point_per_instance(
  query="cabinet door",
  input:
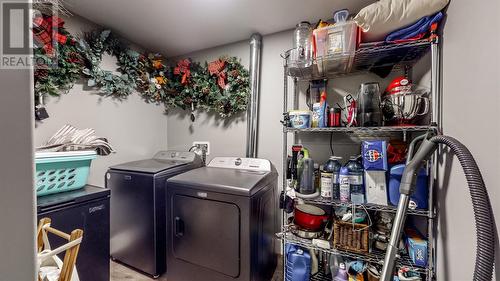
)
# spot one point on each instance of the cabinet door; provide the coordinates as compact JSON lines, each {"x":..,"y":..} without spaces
{"x":207,"y":233}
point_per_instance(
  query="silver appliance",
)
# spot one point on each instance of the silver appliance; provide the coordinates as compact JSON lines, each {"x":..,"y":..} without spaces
{"x":221,"y":221}
{"x":138,"y":231}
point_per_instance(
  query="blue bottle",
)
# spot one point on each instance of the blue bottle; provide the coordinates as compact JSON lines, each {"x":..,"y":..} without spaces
{"x":356,"y":184}
{"x":344,"y":185}
{"x":298,"y":267}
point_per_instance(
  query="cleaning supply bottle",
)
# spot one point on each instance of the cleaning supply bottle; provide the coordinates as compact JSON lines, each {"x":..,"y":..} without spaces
{"x":330,"y":178}
{"x":298,"y":266}
{"x":355,"y":171}
{"x":344,"y":186}
{"x":323,"y":112}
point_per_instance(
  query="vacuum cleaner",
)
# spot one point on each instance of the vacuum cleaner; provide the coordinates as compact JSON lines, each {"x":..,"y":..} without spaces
{"x":483,"y":214}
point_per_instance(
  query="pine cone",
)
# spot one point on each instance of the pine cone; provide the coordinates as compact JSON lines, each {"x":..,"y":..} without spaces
{"x":205,"y":91}
{"x":234,"y":73}
{"x":41,"y":73}
{"x":74,"y":57}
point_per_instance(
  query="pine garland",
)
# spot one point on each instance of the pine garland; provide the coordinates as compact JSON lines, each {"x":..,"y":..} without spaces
{"x":57,"y":67}
{"x":221,"y":86}
{"x":93,"y":46}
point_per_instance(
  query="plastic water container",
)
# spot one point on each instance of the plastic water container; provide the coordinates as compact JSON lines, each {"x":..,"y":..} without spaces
{"x":421,"y":195}
{"x":356,"y":172}
{"x":62,"y":171}
{"x":298,"y":263}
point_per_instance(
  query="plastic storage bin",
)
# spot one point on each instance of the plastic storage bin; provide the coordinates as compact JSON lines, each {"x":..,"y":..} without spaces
{"x":62,"y":171}
{"x":420,"y":199}
{"x":335,"y":47}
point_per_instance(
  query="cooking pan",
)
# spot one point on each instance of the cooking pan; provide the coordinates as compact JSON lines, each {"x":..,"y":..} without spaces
{"x":309,"y":217}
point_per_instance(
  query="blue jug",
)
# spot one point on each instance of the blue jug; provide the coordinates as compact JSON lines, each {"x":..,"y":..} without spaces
{"x":298,"y":263}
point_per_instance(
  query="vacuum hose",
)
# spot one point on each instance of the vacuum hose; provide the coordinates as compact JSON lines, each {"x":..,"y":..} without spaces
{"x":483,"y":214}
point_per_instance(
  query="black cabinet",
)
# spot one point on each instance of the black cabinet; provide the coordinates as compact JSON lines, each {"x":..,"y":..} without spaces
{"x":87,"y":209}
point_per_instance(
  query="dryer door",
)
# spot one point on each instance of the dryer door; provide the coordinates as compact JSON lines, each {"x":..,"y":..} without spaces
{"x":207,"y":233}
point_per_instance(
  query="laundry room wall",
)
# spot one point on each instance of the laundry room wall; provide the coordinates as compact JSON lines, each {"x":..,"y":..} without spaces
{"x":471,"y":103}
{"x":228,"y":137}
{"x":135,"y":129}
{"x":17,"y":234}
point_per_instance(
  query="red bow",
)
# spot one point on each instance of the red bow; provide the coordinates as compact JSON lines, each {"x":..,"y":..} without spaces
{"x":183,"y":68}
{"x":45,"y":31}
{"x":216,"y":68}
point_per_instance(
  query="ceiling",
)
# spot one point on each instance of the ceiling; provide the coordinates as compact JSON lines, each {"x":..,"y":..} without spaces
{"x":179,"y":27}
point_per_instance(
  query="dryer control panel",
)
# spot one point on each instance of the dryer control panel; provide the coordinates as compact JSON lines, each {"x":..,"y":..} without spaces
{"x":175,"y":155}
{"x":252,"y":164}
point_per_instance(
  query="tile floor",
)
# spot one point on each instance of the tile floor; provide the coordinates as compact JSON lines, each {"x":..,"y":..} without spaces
{"x":123,"y":273}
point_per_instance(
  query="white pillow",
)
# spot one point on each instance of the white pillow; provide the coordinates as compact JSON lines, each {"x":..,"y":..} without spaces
{"x":382,"y":17}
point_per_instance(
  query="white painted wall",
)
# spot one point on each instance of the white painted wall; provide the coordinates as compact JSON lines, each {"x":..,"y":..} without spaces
{"x":135,"y":129}
{"x":470,"y":82}
{"x":470,"y":113}
{"x":17,"y":234}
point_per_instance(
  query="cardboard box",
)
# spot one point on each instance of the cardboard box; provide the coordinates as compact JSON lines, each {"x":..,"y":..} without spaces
{"x":374,"y":155}
{"x":376,"y":187}
{"x":416,"y":246}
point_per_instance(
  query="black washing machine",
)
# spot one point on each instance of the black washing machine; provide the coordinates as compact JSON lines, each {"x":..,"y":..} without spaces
{"x":222,"y":221}
{"x":138,"y":208}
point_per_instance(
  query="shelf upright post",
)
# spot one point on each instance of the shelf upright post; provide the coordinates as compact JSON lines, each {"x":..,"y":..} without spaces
{"x":284,"y":164}
{"x":433,"y":176}
{"x":435,"y":81}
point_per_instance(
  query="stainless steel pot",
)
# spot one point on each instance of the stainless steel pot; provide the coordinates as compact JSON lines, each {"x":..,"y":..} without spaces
{"x":402,"y":108}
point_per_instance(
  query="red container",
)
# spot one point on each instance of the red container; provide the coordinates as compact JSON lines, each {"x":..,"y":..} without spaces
{"x":309,"y":217}
{"x":334,"y":117}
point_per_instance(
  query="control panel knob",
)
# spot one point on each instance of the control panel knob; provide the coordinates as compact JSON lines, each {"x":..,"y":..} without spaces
{"x":237,"y":162}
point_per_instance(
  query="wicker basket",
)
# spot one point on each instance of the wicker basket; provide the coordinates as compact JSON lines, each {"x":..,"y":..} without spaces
{"x":347,"y":238}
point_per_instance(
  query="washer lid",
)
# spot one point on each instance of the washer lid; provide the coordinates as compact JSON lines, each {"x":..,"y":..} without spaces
{"x":162,"y":160}
{"x":226,"y":180}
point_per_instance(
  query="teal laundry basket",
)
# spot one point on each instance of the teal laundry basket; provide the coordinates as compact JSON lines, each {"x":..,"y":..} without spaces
{"x":62,"y":171}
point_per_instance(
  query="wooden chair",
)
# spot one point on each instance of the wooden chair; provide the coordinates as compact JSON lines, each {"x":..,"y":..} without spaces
{"x":71,"y":253}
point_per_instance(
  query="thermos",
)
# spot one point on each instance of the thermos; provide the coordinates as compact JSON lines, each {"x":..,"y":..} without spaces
{"x":334,"y":117}
{"x":306,"y":185}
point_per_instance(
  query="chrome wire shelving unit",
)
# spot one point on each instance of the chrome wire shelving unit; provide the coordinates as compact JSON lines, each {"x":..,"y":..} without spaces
{"x":375,"y":256}
{"x":367,"y":206}
{"x":360,"y":130}
{"x":368,"y":58}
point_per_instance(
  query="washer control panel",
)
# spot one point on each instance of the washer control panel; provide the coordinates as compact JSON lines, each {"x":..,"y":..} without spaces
{"x":174,"y":155}
{"x":252,"y":164}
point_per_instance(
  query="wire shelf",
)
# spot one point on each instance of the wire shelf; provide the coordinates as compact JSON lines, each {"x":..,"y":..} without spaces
{"x":376,"y":256}
{"x":322,"y":276}
{"x":365,"y":130}
{"x":374,"y":58}
{"x":371,"y":207}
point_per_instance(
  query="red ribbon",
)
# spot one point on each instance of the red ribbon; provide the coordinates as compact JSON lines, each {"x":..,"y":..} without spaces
{"x":217,"y":68}
{"x":183,"y":69}
{"x":45,"y":31}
